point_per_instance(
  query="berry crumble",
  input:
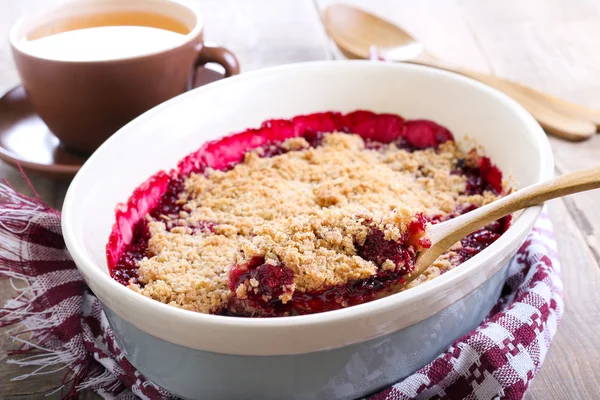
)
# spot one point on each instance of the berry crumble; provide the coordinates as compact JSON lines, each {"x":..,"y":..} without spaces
{"x":307,"y":215}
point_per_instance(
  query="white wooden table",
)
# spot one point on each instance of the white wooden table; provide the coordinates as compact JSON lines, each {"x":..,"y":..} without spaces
{"x":551,"y":45}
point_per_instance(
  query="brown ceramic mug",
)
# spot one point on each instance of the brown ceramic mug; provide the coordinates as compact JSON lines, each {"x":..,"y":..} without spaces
{"x":83,"y":102}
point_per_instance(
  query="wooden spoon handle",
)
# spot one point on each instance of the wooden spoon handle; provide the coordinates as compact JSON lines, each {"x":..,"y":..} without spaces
{"x":444,"y":235}
{"x":575,"y":110}
{"x":558,"y":117}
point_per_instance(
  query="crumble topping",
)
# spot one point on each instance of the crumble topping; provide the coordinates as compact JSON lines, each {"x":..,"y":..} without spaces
{"x":309,"y":209}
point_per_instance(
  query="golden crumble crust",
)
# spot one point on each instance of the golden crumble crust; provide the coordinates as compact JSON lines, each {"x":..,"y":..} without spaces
{"x":307,"y":209}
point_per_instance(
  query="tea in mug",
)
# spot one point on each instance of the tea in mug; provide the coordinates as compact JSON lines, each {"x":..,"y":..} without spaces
{"x":105,"y":37}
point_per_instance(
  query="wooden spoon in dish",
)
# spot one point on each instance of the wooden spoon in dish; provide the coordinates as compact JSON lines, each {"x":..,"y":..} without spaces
{"x":360,"y":34}
{"x":445,"y":234}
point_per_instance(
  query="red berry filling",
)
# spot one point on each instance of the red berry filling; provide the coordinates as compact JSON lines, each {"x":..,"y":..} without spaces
{"x":482,"y":238}
{"x":402,"y":253}
{"x":169,"y":202}
{"x":481,"y":174}
{"x":384,"y":128}
{"x":263,"y":284}
{"x":126,"y":268}
{"x":421,"y":134}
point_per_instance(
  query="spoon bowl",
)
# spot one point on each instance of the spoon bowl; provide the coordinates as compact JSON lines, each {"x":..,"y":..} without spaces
{"x":345,"y":23}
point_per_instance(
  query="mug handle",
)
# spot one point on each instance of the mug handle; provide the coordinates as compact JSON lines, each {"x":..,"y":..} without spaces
{"x":209,"y":53}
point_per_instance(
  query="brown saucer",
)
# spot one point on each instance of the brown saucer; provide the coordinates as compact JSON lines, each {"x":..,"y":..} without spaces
{"x":26,"y":141}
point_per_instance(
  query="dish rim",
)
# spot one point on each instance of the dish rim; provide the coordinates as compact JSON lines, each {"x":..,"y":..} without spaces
{"x":385,"y":305}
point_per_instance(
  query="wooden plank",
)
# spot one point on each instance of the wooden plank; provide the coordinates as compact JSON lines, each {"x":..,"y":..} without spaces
{"x":584,"y":206}
{"x":265,"y":33}
{"x":531,"y":12}
{"x":569,"y":371}
{"x":548,"y":45}
{"x":551,"y":50}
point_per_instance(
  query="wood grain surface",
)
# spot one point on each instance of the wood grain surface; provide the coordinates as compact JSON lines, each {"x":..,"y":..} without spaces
{"x":550,"y":45}
{"x":355,"y":32}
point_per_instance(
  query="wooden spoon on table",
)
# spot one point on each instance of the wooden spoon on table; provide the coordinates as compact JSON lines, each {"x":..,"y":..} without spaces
{"x":445,"y":234}
{"x":358,"y":33}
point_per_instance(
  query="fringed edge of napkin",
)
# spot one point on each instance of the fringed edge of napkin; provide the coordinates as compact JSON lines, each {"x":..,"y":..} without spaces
{"x":49,"y":339}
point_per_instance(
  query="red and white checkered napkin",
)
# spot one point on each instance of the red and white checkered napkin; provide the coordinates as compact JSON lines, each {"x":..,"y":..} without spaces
{"x":497,"y":360}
